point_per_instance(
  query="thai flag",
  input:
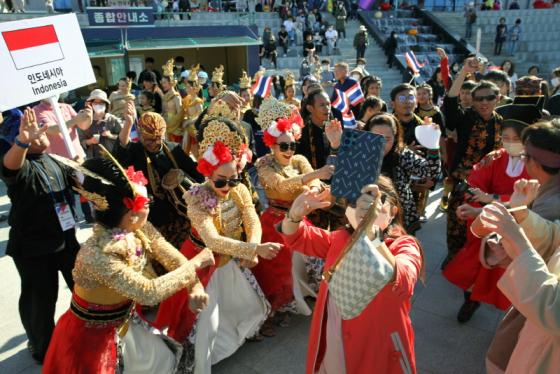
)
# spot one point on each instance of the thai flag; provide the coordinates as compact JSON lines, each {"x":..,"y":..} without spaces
{"x":341,"y":102}
{"x":413,"y":64}
{"x":354,"y":94}
{"x":33,"y":46}
{"x":134,"y":133}
{"x":348,"y":120}
{"x":262,"y":86}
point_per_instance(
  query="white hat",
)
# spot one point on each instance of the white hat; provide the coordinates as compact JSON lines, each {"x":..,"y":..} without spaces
{"x":185,"y":74}
{"x":363,"y":28}
{"x":98,"y":94}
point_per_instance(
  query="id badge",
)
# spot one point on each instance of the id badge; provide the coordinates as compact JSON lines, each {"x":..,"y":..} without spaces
{"x":65,"y":216}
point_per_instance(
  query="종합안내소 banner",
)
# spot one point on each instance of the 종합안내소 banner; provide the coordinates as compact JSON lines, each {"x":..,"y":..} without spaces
{"x":41,"y":58}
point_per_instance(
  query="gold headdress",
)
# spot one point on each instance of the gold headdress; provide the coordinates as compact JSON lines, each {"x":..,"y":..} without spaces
{"x":99,"y":202}
{"x":219,"y":108}
{"x":289,"y":78}
{"x":193,"y":73}
{"x":218,"y":74}
{"x":270,"y":110}
{"x":168,"y":69}
{"x":217,"y":130}
{"x":244,"y":81}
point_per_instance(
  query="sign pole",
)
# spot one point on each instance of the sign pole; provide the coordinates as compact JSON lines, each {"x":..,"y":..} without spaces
{"x":478,"y":39}
{"x":62,"y":126}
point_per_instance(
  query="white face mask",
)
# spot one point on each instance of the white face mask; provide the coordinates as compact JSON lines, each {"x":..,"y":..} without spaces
{"x":513,"y":149}
{"x":99,"y":108}
{"x":382,"y":221}
{"x":555,"y":82}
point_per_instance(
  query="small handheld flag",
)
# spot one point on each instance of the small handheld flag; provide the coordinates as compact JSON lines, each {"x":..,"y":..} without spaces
{"x":262,"y":86}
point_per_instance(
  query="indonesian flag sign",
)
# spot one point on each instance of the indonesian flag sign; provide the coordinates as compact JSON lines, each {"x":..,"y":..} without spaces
{"x":41,"y":58}
{"x":33,"y":46}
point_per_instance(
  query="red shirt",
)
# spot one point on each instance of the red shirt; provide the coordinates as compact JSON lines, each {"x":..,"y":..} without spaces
{"x":381,"y":339}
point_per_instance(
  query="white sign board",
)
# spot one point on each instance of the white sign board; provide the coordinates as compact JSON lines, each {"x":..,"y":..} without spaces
{"x":40,"y":58}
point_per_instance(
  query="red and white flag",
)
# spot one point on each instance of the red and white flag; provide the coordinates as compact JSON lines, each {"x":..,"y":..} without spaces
{"x":33,"y":46}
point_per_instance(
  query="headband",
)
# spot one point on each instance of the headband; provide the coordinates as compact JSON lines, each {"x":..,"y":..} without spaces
{"x":542,"y":156}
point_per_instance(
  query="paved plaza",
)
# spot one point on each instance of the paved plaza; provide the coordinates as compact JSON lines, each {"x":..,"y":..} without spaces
{"x":443,"y":345}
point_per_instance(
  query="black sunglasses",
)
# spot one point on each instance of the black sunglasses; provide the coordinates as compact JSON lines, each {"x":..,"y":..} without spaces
{"x":221,"y":183}
{"x":487,"y":98}
{"x":284,"y":146}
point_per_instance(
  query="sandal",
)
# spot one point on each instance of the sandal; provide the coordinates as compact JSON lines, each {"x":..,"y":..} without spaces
{"x":268,"y":330}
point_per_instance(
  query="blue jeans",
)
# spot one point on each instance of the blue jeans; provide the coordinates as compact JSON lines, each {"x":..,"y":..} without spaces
{"x":468,"y":32}
{"x":512,"y":47}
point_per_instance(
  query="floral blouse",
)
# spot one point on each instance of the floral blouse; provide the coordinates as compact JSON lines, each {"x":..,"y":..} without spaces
{"x":119,"y":262}
{"x":223,"y":223}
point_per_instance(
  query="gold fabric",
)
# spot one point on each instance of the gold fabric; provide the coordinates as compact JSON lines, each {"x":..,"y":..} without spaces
{"x":118,"y":102}
{"x":283,"y":182}
{"x":173,"y":112}
{"x":119,"y":264}
{"x":152,"y":124}
{"x":221,"y":228}
{"x":293,"y":101}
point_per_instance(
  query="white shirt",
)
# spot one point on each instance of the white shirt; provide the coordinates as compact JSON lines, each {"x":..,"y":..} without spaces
{"x":289,"y":25}
{"x":331,"y":34}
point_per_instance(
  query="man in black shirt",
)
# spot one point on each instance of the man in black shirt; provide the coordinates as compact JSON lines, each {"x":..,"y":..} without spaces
{"x":162,"y":162}
{"x":283,"y":39}
{"x":403,"y":100}
{"x":149,"y":67}
{"x":42,"y":239}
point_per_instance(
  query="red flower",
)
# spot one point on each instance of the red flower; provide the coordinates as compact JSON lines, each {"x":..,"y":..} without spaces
{"x":222,"y":153}
{"x":205,"y":168}
{"x":284,"y":125}
{"x":136,"y":177}
{"x":268,"y":139}
{"x":136,"y":204}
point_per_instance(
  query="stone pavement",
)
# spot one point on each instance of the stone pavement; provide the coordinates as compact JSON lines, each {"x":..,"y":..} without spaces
{"x":443,"y":346}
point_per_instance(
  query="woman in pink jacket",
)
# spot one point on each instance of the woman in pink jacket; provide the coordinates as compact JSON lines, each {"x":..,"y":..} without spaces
{"x":381,"y":338}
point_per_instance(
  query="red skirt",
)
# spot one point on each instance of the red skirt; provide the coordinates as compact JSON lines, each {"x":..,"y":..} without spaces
{"x":275,"y":276}
{"x":174,"y":312}
{"x":466,"y":272}
{"x":85,"y":340}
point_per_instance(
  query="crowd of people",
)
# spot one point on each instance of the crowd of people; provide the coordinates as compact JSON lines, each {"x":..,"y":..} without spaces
{"x":214,"y":221}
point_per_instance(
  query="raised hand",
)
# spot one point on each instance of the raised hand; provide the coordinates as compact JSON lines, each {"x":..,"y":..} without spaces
{"x":29,"y":129}
{"x":471,"y":65}
{"x":333,"y":131}
{"x":524,"y":192}
{"x":496,"y":218}
{"x":129,"y":113}
{"x":306,"y":203}
{"x":325,"y":173}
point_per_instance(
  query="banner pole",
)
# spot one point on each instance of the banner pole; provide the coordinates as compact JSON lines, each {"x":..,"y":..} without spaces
{"x":53,"y":100}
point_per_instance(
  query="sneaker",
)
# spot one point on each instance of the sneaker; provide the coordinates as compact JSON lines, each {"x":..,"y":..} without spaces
{"x":467,"y":311}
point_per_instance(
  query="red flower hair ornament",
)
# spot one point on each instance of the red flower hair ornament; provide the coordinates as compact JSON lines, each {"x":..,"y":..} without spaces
{"x":292,"y":125}
{"x":214,"y":156}
{"x":138,"y":182}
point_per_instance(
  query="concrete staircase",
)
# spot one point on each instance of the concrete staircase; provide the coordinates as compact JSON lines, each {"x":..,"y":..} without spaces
{"x":539,"y":44}
{"x":375,"y":58}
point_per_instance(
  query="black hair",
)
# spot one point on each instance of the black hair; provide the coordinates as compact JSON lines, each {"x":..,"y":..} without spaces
{"x":310,"y":100}
{"x":544,"y":135}
{"x":150,"y":59}
{"x":114,"y":193}
{"x":149,"y":95}
{"x":533,"y":67}
{"x":391,"y":161}
{"x":131,"y":74}
{"x":497,"y":76}
{"x":179,"y":59}
{"x":150,"y":76}
{"x":516,"y":126}
{"x":511,"y":70}
{"x":370,"y":102}
{"x":518,"y":21}
{"x":400,"y":88}
{"x":96,"y":67}
{"x":483,"y":85}
{"x":468,"y":85}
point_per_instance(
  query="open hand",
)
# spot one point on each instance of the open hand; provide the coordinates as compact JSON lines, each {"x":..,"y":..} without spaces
{"x":333,"y":131}
{"x":325,"y":173}
{"x":471,"y":65}
{"x":308,"y":202}
{"x":29,"y":129}
{"x":129,"y":113}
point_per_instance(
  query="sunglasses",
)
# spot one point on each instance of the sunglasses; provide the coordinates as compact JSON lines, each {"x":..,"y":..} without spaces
{"x":284,"y":146}
{"x":484,"y":98}
{"x":221,"y":183}
{"x":404,"y":98}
